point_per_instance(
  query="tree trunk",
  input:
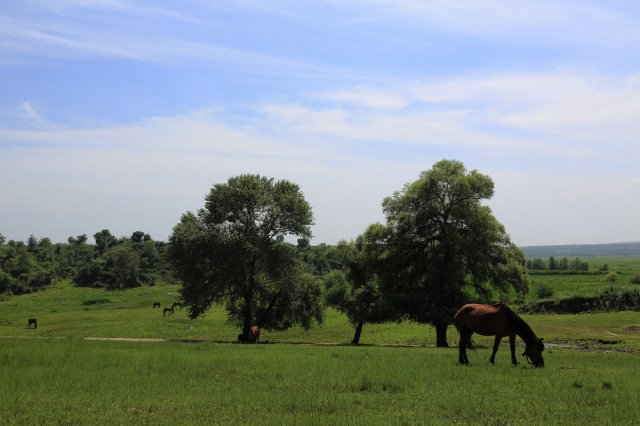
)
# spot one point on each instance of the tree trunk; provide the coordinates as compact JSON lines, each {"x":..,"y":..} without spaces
{"x":441,"y":333}
{"x":356,"y":337}
{"x":247,"y":316}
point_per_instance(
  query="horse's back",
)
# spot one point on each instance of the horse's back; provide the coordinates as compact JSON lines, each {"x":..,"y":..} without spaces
{"x":487,"y":320}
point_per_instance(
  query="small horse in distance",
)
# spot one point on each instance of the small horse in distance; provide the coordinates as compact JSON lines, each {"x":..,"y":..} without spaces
{"x":253,"y":337}
{"x":167,"y":309}
{"x":255,"y":334}
{"x":500,"y":321}
{"x":176,"y":305}
{"x":156,"y":304}
{"x":32,"y":322}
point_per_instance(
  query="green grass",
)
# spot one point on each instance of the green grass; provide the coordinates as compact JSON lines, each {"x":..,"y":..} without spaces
{"x":565,"y":286}
{"x":62,"y":312}
{"x":61,"y":381}
{"x":50,"y":375}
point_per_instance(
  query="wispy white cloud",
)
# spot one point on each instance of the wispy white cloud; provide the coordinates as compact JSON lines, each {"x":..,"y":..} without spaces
{"x":366,"y":97}
{"x":32,"y":116}
{"x":76,"y":29}
{"x":562,"y":115}
{"x":561,"y":22}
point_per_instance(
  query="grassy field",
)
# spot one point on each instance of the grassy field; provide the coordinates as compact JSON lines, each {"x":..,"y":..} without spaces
{"x":588,"y":285}
{"x":69,"y":381}
{"x":62,"y":311}
{"x":52,"y":375}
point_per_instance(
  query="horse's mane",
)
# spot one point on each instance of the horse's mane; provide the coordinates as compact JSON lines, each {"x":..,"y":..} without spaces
{"x":522,"y":328}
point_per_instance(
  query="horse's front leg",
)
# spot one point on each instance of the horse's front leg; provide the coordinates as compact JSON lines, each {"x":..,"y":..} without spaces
{"x":512,"y":345}
{"x":496,"y":344}
{"x":462,"y":348}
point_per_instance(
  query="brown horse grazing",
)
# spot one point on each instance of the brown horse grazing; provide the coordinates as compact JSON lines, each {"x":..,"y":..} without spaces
{"x":170,"y":310}
{"x":32,"y":321}
{"x":176,"y":305}
{"x":500,"y":321}
{"x":156,"y":304}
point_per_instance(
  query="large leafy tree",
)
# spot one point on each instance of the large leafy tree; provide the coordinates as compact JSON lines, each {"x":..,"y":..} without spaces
{"x":233,"y":252}
{"x":448,"y":245}
{"x":358,"y":289}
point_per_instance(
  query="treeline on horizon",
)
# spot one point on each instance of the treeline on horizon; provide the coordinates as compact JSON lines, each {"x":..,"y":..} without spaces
{"x":125,"y":262}
{"x":562,"y":264}
{"x":110,"y":262}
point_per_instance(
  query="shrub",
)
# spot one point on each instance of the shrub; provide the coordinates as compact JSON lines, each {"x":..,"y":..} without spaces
{"x":615,"y":299}
{"x":544,"y":291}
{"x":612,"y":277}
{"x":635,"y":279}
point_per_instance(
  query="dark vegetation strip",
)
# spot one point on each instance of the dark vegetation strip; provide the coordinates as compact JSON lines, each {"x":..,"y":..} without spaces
{"x":612,"y":299}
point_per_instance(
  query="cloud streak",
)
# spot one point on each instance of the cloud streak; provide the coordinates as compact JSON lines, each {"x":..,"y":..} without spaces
{"x":542,"y":22}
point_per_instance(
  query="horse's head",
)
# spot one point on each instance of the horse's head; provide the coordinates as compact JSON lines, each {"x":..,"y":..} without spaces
{"x":533,"y":352}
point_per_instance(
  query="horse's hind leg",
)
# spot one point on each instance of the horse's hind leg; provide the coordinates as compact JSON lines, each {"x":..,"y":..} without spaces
{"x":496,"y":344}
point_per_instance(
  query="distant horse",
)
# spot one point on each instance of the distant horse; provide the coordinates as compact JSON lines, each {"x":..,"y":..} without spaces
{"x":170,"y":310}
{"x":176,"y":305}
{"x":156,"y":304}
{"x":32,"y":321}
{"x":253,"y":337}
{"x":500,"y":321}
{"x":255,"y":334}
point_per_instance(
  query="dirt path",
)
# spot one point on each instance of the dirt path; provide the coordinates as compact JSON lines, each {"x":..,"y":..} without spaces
{"x":565,"y":346}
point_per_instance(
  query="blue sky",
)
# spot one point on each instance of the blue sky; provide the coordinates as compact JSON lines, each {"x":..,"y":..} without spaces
{"x":122,"y":114}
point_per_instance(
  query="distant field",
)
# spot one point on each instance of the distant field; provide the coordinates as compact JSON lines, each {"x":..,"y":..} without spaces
{"x":79,"y":382}
{"x":587,"y":284}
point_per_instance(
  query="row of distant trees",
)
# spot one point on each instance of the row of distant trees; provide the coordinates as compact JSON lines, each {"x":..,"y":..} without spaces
{"x":113,"y":263}
{"x":561,"y":264}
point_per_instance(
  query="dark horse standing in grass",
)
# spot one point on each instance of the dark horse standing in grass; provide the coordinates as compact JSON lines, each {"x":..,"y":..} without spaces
{"x":500,"y":321}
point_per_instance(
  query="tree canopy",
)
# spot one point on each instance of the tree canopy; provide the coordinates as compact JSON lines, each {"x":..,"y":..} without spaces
{"x":232,"y":252}
{"x":358,"y":290}
{"x":447,"y":243}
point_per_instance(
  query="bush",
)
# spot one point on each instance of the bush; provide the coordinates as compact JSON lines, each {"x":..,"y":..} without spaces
{"x":544,"y":291}
{"x":635,"y":279}
{"x":615,"y":299}
{"x":11,"y":285}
